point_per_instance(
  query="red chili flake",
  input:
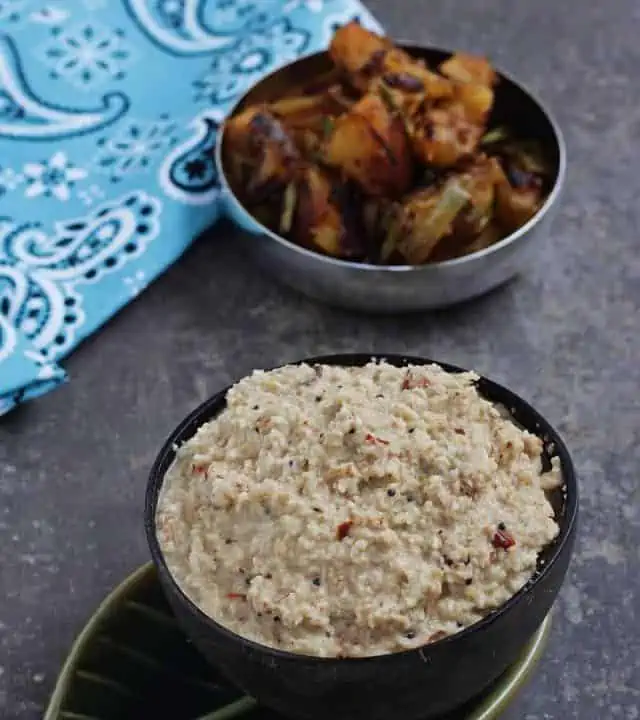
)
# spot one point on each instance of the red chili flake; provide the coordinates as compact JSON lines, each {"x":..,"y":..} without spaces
{"x":459,"y":431}
{"x":503,"y":539}
{"x":343,"y":529}
{"x":373,"y":440}
{"x":408,"y":383}
{"x":236,"y":596}
{"x":509,"y":444}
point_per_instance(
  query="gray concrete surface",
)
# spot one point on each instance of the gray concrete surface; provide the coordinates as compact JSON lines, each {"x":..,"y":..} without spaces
{"x":565,"y":335}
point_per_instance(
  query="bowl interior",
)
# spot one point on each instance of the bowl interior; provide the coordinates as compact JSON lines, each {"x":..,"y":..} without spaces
{"x":564,"y":500}
{"x":514,"y":107}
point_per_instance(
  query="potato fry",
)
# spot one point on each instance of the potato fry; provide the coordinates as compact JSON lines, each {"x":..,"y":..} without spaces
{"x":476,"y":99}
{"x":369,"y":145}
{"x":258,"y":137}
{"x":317,"y":221}
{"x":444,"y":135}
{"x":401,"y":71}
{"x":358,"y":52}
{"x":467,"y":68}
{"x":518,"y":198}
{"x":381,"y":158}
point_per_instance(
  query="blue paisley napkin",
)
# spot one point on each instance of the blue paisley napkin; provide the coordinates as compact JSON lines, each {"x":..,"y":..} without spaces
{"x":108,"y":117}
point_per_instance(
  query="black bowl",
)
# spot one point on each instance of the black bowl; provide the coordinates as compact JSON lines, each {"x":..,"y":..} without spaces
{"x":421,"y":683}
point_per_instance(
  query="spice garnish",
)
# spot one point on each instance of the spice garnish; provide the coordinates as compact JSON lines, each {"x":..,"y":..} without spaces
{"x":503,"y":539}
{"x":343,"y":529}
{"x":236,"y":596}
{"x":373,"y":440}
{"x":409,"y":383}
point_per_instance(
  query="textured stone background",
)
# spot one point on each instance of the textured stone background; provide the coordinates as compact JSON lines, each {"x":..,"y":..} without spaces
{"x":565,"y":335}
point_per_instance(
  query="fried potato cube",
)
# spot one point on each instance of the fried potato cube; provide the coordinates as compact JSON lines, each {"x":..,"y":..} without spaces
{"x":258,"y":139}
{"x":317,"y":221}
{"x":403,"y":72}
{"x":365,"y":57}
{"x":443,"y":134}
{"x":477,"y":101}
{"x":359,"y":52}
{"x":518,"y":198}
{"x":467,"y":68}
{"x":369,"y":145}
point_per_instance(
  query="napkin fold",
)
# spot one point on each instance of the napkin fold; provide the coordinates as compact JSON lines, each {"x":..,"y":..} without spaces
{"x":108,"y":117}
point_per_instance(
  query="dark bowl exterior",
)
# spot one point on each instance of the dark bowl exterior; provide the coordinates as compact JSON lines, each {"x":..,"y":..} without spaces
{"x":402,"y":288}
{"x":422,"y":683}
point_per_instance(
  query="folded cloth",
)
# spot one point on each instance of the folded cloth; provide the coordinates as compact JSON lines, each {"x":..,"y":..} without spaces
{"x":108,"y":118}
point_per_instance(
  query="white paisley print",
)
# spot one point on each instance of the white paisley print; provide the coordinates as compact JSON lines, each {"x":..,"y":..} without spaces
{"x":109,"y":113}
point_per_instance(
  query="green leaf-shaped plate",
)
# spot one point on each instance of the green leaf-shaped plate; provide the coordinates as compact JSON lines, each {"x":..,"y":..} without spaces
{"x":132,"y":661}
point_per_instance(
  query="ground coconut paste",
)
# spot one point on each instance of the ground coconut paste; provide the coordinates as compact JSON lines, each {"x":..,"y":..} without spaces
{"x":337,"y":511}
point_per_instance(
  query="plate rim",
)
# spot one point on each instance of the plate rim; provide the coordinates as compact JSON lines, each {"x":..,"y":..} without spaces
{"x":65,"y":676}
{"x":490,"y":708}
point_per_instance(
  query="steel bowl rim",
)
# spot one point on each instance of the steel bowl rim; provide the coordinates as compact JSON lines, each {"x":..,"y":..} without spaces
{"x":229,"y":195}
{"x":567,"y":526}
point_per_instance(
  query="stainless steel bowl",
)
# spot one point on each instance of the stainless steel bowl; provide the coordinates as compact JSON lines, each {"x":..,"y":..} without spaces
{"x":388,"y":289}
